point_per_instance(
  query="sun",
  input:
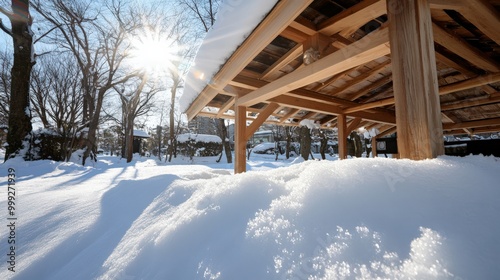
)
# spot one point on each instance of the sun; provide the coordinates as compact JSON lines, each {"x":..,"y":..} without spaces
{"x":154,"y":53}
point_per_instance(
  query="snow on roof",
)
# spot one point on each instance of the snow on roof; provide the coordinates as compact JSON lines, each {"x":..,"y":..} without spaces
{"x":205,"y":138}
{"x":141,"y":133}
{"x":235,"y":21}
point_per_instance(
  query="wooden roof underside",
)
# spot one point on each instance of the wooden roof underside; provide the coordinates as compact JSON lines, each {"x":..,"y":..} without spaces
{"x":353,"y":74}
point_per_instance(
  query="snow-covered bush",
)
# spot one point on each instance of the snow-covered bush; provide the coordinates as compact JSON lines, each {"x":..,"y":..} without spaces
{"x":202,"y":145}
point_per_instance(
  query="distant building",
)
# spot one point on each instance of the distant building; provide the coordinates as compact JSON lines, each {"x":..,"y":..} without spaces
{"x":139,"y":135}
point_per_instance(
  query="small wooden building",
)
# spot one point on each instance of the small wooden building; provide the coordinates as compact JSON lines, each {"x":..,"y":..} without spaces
{"x":139,"y":135}
{"x":421,"y":68}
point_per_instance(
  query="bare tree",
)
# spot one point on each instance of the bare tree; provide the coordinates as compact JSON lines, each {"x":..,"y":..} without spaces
{"x":57,"y":99}
{"x":204,"y":12}
{"x":22,"y":38}
{"x":135,"y":101}
{"x":96,"y":35}
{"x":5,"y":68}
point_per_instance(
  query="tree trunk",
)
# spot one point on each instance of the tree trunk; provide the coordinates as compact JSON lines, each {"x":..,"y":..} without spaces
{"x":288,"y":133}
{"x":324,"y":145}
{"x":19,"y":114}
{"x":305,"y":142}
{"x":129,"y":136}
{"x":91,"y":145}
{"x":226,"y":146}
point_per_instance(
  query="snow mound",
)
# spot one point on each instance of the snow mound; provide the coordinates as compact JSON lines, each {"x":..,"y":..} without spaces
{"x":352,"y":219}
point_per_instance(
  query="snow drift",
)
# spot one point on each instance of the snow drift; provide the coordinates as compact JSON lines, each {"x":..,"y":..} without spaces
{"x":352,"y":219}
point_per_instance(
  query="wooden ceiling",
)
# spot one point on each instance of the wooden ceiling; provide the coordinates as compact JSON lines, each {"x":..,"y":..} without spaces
{"x":352,"y":73}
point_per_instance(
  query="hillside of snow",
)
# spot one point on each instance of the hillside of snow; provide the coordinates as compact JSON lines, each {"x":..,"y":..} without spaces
{"x":352,"y":219}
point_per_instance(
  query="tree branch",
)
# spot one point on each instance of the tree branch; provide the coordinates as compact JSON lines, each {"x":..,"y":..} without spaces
{"x":4,"y":28}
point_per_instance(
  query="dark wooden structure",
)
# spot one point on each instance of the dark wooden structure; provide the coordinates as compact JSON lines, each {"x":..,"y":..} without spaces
{"x":421,"y":68}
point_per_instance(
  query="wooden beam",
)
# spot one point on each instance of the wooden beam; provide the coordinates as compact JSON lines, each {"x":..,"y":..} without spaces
{"x":489,"y":99}
{"x":370,"y":47}
{"x":363,"y":77}
{"x":472,"y":124}
{"x":288,"y":115}
{"x":454,"y":87}
{"x":446,"y":4}
{"x":309,"y":116}
{"x":329,"y":109}
{"x":453,"y":64}
{"x":453,"y":120}
{"x":353,"y":124}
{"x":283,"y":61}
{"x":484,"y":16}
{"x":379,"y":83}
{"x":374,"y":104}
{"x":240,"y":141}
{"x":253,"y":84}
{"x":470,"y":83}
{"x":305,"y":104}
{"x":226,"y":106}
{"x":342,"y":135}
{"x":462,"y":49}
{"x":261,"y":118}
{"x":275,"y":22}
{"x":351,"y":19}
{"x":293,"y":34}
{"x":418,"y":115}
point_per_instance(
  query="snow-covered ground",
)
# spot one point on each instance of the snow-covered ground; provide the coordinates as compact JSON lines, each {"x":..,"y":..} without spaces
{"x":353,"y":219}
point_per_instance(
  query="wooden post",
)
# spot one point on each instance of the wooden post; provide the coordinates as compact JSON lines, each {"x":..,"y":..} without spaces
{"x":374,"y":146}
{"x":418,"y":113}
{"x":342,"y":134}
{"x":240,"y":141}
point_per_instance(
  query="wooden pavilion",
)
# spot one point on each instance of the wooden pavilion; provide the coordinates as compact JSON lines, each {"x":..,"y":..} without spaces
{"x":421,"y":68}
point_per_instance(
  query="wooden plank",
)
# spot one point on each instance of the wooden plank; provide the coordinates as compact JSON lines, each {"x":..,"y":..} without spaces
{"x":240,"y":141}
{"x":342,"y":135}
{"x":283,"y":61}
{"x":275,"y":22}
{"x":472,"y":124}
{"x":370,"y":47}
{"x":261,"y":118}
{"x":418,"y":115}
{"x":484,"y":16}
{"x":351,"y":19}
{"x":462,"y":49}
{"x":379,"y":83}
{"x":462,"y":69}
{"x":363,"y":77}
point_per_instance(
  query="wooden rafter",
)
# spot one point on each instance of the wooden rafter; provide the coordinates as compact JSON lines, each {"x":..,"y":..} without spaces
{"x":226,"y":106}
{"x":288,"y":115}
{"x":463,"y":49}
{"x":472,"y":124}
{"x":489,"y":99}
{"x":458,"y":86}
{"x":261,"y":118}
{"x":370,"y":47}
{"x":483,"y":16}
{"x":284,"y":60}
{"x":350,"y":20}
{"x":283,"y":13}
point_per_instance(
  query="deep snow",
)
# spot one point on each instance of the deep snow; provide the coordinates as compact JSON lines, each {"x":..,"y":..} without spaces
{"x":353,"y":219}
